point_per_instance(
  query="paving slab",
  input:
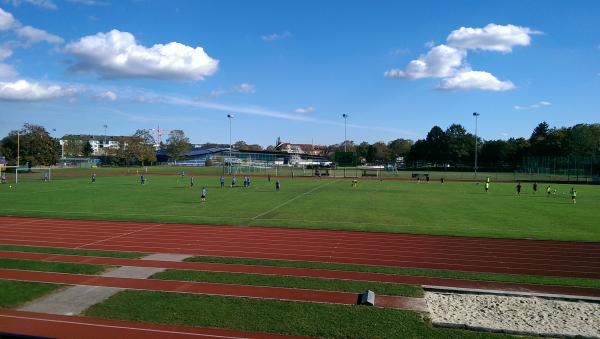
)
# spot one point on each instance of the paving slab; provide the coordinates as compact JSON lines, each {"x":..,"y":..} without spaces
{"x":76,"y":299}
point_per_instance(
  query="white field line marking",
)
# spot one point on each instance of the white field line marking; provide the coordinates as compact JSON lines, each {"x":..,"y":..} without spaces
{"x":120,"y":327}
{"x":118,"y":236}
{"x":292,"y":199}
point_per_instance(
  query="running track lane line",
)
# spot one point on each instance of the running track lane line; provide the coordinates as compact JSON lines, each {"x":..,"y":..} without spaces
{"x":75,"y":327}
{"x":313,"y":273}
{"x":231,"y":290}
{"x":591,"y":249}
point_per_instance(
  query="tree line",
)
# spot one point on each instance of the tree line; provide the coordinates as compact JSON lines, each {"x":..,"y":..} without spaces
{"x":453,"y":146}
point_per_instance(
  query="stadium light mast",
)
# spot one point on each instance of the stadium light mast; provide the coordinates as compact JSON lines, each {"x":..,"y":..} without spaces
{"x":230,"y":117}
{"x":475,"y":114}
{"x":345,"y":116}
{"x":105,"y":127}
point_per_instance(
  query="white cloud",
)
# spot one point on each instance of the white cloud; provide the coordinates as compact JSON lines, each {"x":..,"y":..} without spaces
{"x":107,"y":96}
{"x":7,"y":20}
{"x":23,"y":90}
{"x":48,"y":4}
{"x":245,"y":88}
{"x":5,"y":52}
{"x":117,"y":54}
{"x":37,"y":35}
{"x":492,"y":37}
{"x":532,"y":106}
{"x":467,"y":80}
{"x":441,"y":61}
{"x":7,"y":71}
{"x":276,"y":36}
{"x":88,"y":2}
{"x":241,"y":88}
{"x":308,"y":109}
{"x":430,"y":44}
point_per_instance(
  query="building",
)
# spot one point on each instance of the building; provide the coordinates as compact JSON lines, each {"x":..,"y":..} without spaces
{"x":243,"y":158}
{"x":309,"y":149}
{"x":99,"y":143}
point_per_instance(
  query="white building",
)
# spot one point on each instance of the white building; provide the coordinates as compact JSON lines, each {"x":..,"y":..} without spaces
{"x":98,"y":142}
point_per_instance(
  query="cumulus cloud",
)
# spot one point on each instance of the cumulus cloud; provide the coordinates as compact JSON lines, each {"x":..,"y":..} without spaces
{"x":106,"y":96}
{"x":37,"y":35}
{"x":492,"y":37}
{"x":7,"y":71}
{"x":532,"y":106}
{"x":23,"y":90}
{"x":308,"y":109}
{"x":276,"y":36}
{"x":441,"y":61}
{"x":7,"y":20}
{"x":117,"y":54}
{"x":448,"y":61}
{"x":475,"y":80}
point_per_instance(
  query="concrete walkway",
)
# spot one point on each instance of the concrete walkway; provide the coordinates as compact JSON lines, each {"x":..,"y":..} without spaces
{"x":76,"y":299}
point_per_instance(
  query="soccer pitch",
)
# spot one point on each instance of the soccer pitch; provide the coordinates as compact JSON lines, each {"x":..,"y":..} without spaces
{"x":451,"y":208}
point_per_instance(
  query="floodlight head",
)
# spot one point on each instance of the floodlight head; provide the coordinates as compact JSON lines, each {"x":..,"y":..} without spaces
{"x":230,"y":116}
{"x":344,"y":115}
{"x":475,"y":114}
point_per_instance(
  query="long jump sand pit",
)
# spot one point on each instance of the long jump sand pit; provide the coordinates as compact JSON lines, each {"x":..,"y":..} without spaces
{"x":515,"y":314}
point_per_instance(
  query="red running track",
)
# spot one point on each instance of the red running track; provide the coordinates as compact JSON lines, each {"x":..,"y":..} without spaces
{"x":312,"y":273}
{"x":232,"y":290}
{"x":74,"y":327}
{"x":548,"y":258}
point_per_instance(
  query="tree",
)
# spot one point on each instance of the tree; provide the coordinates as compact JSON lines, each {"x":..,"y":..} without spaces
{"x":460,"y":144}
{"x":399,"y":147}
{"x":37,"y":147}
{"x":87,"y":149}
{"x":72,"y":146}
{"x":177,"y":144}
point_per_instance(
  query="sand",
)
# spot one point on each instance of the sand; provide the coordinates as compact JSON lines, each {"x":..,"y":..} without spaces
{"x":515,"y":314}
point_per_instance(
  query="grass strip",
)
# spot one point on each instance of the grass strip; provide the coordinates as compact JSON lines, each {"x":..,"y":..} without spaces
{"x":14,"y":293}
{"x":290,"y":282}
{"x":529,"y":279}
{"x":61,"y":267}
{"x":70,"y":251}
{"x":273,"y":316}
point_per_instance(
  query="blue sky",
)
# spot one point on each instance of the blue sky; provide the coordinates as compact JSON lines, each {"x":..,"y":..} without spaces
{"x":291,"y":68}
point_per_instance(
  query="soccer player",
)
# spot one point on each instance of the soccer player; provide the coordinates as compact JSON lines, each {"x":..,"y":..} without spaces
{"x":487,"y":187}
{"x":203,"y":195}
{"x":45,"y":177}
{"x":269,"y":177}
{"x":3,"y":178}
{"x":442,"y":180}
{"x":93,"y":178}
{"x":222,"y":181}
{"x":548,"y":190}
{"x":573,"y":194}
{"x":233,"y":181}
{"x":427,"y":179}
{"x":191,"y":181}
{"x":535,"y":187}
{"x":248,"y":181}
{"x":277,"y":185}
{"x":519,"y":188}
{"x":142,"y":179}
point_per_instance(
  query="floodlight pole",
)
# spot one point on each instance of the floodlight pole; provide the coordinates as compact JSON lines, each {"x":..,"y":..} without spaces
{"x":475,"y":114}
{"x":230,"y":116}
{"x":18,"y":157}
{"x":345,"y":116}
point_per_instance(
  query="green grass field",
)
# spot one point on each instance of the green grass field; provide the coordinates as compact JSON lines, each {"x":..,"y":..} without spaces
{"x":284,"y":317}
{"x":388,"y":206}
{"x":291,"y":282}
{"x":422,"y":272}
{"x":15,"y":293}
{"x":45,"y":266}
